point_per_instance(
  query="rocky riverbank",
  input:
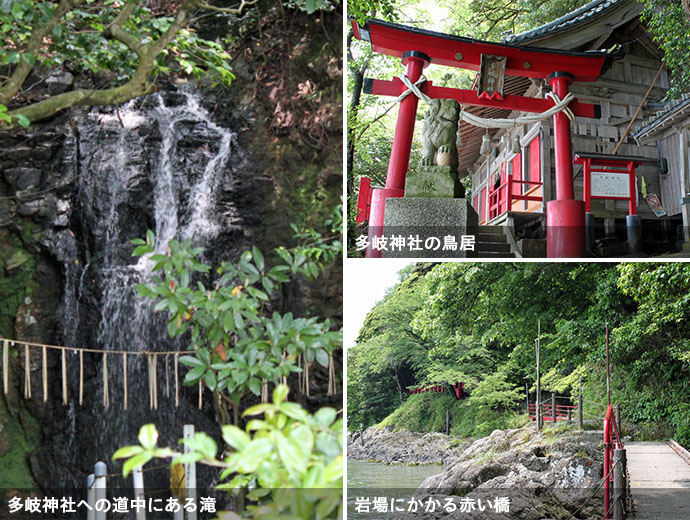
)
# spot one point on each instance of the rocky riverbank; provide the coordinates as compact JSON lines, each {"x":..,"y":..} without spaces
{"x":403,"y":447}
{"x":547,"y":475}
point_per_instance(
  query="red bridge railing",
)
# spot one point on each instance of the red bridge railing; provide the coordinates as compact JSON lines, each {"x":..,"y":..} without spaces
{"x":612,"y":441}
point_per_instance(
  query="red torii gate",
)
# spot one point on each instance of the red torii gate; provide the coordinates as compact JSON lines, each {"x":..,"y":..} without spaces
{"x":418,"y":48}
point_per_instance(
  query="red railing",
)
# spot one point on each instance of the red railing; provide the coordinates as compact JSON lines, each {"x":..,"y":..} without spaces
{"x":612,"y":441}
{"x":563,"y":412}
{"x":501,"y":198}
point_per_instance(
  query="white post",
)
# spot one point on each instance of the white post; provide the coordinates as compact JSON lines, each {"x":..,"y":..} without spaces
{"x":138,"y":479}
{"x":90,"y":497}
{"x":190,"y":473}
{"x":100,"y":471}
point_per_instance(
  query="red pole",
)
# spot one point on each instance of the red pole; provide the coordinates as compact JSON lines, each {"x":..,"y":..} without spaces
{"x":404,"y":129}
{"x":400,"y":151}
{"x":607,"y":461}
{"x":632,"y":204}
{"x":565,"y":216}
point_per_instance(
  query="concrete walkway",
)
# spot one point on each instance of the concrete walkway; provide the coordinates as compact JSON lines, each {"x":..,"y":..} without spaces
{"x":659,"y":482}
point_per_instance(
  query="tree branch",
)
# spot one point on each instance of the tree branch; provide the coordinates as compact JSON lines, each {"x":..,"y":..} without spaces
{"x":228,"y":10}
{"x":10,"y":87}
{"x":116,"y":30}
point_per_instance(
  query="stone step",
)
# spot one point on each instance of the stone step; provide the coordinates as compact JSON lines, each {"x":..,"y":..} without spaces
{"x":498,"y":239}
{"x":490,"y":230}
{"x":493,"y":247}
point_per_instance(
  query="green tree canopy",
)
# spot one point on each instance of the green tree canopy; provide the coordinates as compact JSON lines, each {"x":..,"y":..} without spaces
{"x":120,"y":49}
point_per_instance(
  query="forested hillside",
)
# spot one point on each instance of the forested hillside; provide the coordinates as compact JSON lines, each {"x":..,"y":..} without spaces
{"x":477,"y":323}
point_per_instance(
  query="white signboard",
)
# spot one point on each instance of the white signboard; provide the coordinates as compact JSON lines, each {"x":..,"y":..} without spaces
{"x":607,"y":184}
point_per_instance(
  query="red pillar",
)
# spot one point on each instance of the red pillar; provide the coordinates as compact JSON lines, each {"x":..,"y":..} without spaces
{"x":400,"y":151}
{"x":565,"y":216}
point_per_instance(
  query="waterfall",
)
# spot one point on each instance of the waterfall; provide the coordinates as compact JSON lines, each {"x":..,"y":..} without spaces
{"x":155,"y":163}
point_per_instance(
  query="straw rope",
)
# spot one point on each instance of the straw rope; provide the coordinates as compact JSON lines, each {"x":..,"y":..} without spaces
{"x":81,"y":377}
{"x":5,"y":366}
{"x":106,"y":389}
{"x":560,"y":105}
{"x":64,"y":377}
{"x":124,"y":379}
{"x":27,"y":372}
{"x":45,"y":374}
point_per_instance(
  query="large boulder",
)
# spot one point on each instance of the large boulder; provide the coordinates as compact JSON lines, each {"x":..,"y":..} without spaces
{"x":547,"y":475}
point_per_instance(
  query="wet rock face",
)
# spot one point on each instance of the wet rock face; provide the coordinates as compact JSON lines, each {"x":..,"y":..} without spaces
{"x":210,"y":166}
{"x":403,"y":447}
{"x":544,"y":475}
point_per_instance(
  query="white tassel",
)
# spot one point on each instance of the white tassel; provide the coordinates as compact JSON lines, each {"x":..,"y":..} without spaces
{"x":45,"y":374}
{"x":124,"y":377}
{"x":6,"y":366}
{"x":106,"y":389}
{"x":64,"y":377}
{"x":27,"y":372}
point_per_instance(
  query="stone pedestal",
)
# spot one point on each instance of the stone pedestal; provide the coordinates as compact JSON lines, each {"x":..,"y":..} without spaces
{"x":429,"y":221}
{"x":434,"y":182}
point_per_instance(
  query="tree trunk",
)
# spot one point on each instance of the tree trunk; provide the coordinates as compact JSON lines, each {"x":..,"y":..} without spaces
{"x":357,"y":75}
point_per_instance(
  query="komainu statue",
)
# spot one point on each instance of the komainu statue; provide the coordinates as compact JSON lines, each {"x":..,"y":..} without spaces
{"x":440,"y":128}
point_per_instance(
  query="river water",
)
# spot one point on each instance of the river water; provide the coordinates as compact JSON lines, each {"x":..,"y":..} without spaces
{"x":367,"y":481}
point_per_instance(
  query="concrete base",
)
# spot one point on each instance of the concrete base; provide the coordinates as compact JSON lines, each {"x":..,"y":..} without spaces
{"x":565,"y":229}
{"x":589,"y":231}
{"x":429,"y":221}
{"x":533,"y":247}
{"x":633,"y":225}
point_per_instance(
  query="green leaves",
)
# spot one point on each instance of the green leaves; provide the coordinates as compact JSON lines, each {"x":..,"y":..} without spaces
{"x":236,"y":344}
{"x":148,"y":436}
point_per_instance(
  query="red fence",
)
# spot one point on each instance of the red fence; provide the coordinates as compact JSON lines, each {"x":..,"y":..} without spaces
{"x":501,"y":198}
{"x":563,"y":412}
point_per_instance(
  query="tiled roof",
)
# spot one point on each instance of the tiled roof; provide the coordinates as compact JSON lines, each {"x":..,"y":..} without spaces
{"x":576,"y":17}
{"x":660,"y":120}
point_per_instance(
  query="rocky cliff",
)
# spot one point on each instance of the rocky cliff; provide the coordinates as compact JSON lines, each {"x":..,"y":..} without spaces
{"x":403,"y":447}
{"x":75,"y":190}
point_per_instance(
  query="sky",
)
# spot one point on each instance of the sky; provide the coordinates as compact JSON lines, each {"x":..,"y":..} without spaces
{"x":366,"y":284}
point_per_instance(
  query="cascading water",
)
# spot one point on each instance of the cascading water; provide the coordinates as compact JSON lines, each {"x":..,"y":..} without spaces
{"x":161,"y":164}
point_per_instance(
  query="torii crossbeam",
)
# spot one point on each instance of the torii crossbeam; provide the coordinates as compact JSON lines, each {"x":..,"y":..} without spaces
{"x":418,"y":48}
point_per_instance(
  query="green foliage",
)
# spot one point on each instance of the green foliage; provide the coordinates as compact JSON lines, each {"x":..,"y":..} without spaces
{"x":362,"y":10}
{"x":238,"y":344}
{"x":670,"y":28}
{"x":477,"y":322}
{"x":287,"y":450}
{"x":388,"y":351}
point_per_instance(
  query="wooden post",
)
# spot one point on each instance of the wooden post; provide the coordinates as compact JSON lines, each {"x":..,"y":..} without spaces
{"x":138,"y":479}
{"x":527,"y":397}
{"x":44,"y":365}
{"x":64,"y":377}
{"x":554,"y":419}
{"x":447,"y":422}
{"x":580,"y":414}
{"x":190,"y":472}
{"x":90,"y":497}
{"x":618,"y":419}
{"x":100,"y":471}
{"x":620,"y":485}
